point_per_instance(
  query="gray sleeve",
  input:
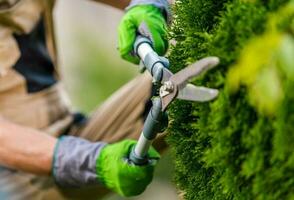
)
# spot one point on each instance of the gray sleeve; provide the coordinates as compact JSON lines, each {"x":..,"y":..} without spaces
{"x":161,"y":4}
{"x":74,"y":163}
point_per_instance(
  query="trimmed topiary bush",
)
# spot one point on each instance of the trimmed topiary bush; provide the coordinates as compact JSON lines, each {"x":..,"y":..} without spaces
{"x":239,"y":146}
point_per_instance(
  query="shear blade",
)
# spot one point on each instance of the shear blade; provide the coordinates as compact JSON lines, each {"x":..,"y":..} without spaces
{"x":166,"y":75}
{"x":195,"y":93}
{"x":181,"y":78}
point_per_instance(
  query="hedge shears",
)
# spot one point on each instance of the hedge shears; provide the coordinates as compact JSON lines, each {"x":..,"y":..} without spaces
{"x":171,"y":87}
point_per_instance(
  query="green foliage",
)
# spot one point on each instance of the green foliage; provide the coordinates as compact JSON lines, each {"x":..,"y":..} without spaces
{"x":240,"y":145}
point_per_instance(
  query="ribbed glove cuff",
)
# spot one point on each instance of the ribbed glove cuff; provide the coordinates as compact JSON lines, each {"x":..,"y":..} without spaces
{"x":74,"y":163}
{"x":161,"y":4}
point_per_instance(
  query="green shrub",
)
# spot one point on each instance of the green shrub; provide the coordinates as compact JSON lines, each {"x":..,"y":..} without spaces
{"x":240,"y":145}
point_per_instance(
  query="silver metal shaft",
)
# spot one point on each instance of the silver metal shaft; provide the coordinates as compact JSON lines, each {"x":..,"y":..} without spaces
{"x":144,"y":49}
{"x":142,"y":146}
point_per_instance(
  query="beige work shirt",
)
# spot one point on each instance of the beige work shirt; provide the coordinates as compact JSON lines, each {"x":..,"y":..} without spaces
{"x":20,"y":17}
{"x":37,"y":110}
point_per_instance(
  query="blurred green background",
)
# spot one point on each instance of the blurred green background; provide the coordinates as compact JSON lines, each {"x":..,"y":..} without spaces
{"x":93,"y":70}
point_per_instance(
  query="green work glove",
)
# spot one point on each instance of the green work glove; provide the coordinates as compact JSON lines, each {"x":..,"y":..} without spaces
{"x":146,"y":20}
{"x":117,"y":174}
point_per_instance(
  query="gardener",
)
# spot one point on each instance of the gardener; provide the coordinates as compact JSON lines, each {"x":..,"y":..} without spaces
{"x":46,"y":151}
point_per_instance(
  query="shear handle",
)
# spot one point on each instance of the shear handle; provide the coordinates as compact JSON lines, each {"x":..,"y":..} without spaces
{"x":155,"y":123}
{"x":180,"y":79}
{"x":151,"y":60}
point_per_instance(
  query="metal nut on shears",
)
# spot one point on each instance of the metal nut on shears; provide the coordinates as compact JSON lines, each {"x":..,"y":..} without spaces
{"x":166,"y":88}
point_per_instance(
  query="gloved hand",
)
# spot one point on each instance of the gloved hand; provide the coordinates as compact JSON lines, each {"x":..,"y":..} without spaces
{"x":147,"y":18}
{"x":78,"y":162}
{"x":122,"y":177}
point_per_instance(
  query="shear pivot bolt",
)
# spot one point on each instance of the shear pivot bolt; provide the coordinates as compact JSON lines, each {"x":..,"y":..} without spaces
{"x":166,"y":88}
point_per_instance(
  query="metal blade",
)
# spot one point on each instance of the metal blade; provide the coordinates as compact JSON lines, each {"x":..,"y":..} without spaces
{"x":166,"y":100}
{"x":195,"y":93}
{"x":181,"y":78}
{"x":166,"y":75}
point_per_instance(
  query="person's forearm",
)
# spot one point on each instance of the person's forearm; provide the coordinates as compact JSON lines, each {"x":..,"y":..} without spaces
{"x":25,"y":149}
